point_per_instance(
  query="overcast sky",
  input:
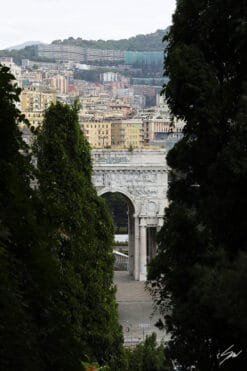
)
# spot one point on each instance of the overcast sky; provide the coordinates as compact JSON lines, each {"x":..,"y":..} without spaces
{"x":48,"y":20}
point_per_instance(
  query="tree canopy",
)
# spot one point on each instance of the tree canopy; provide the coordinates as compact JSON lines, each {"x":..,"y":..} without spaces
{"x":31,"y":321}
{"x":148,"y":42}
{"x":147,"y":356}
{"x":200,"y":270}
{"x":57,"y":295}
{"x":83,"y":232}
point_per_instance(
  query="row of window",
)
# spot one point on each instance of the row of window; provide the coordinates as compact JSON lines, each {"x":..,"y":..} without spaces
{"x":95,"y":126}
{"x":95,"y":133}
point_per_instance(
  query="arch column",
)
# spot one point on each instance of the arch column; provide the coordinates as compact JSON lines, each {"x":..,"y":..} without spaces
{"x":136,"y":249}
{"x":131,"y":233}
{"x":143,"y":251}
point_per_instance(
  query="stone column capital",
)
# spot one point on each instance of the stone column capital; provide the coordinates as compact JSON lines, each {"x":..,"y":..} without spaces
{"x":143,"y":222}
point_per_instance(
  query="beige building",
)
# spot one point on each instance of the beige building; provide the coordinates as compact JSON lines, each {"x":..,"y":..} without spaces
{"x":98,"y":133}
{"x":35,"y":118}
{"x":33,"y":100}
{"x":127,"y":133}
{"x":60,"y":84}
{"x":14,"y":69}
{"x":152,"y":126}
{"x":33,"y":104}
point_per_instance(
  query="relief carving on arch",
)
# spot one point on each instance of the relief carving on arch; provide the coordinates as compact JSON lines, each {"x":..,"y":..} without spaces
{"x":149,"y":208}
{"x":124,"y":178}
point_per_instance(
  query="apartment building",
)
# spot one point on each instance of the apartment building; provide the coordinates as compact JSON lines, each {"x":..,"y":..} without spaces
{"x":62,"y":52}
{"x":120,"y":110}
{"x":152,"y":126}
{"x":74,"y":53}
{"x":33,"y":100}
{"x":14,"y":69}
{"x":127,"y":133}
{"x":60,"y":84}
{"x":33,"y":104}
{"x":98,"y":133}
{"x":35,"y":118}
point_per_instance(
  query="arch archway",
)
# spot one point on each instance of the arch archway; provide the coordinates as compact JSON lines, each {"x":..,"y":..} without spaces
{"x":118,"y":190}
{"x":130,"y":209}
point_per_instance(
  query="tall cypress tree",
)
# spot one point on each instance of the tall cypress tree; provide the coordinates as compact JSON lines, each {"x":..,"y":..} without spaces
{"x":34,"y":334}
{"x":17,"y":335}
{"x":82,"y":232}
{"x":200,"y":270}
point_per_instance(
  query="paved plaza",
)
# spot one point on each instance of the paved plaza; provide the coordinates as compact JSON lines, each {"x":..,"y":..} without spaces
{"x":135,"y":309}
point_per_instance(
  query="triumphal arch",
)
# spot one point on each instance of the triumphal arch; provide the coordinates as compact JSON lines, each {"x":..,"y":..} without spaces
{"x":141,"y":175}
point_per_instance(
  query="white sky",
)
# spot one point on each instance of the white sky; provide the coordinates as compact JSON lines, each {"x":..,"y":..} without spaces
{"x":48,"y":20}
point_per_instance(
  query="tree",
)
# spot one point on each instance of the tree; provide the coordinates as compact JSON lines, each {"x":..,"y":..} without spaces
{"x":147,"y":356}
{"x":118,"y":207}
{"x":201,"y":264}
{"x":29,"y":274}
{"x":82,"y":232}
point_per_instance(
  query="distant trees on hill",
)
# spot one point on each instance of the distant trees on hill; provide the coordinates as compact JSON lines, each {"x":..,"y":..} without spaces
{"x":149,"y":42}
{"x":29,"y":52}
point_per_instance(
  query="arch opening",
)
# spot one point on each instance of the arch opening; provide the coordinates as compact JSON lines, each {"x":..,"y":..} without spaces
{"x":122,"y":211}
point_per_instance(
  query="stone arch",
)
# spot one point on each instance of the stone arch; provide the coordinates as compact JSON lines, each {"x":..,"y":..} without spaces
{"x":124,"y":192}
{"x":131,"y":223}
{"x":140,"y":176}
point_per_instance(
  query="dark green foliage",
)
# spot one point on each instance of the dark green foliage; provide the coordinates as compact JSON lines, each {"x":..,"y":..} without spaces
{"x":118,"y":206}
{"x":91,"y":75}
{"x":15,"y":218}
{"x":200,"y":270}
{"x":147,"y":356}
{"x":30,"y":321}
{"x":82,"y":233}
{"x":56,"y":279}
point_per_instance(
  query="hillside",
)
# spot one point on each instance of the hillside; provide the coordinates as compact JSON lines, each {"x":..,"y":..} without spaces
{"x":29,"y":52}
{"x":149,"y":42}
{"x":22,"y":46}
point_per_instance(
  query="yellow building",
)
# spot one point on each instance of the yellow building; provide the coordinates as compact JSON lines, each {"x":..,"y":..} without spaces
{"x":33,"y":104}
{"x":35,"y":118}
{"x":33,"y":100}
{"x":127,"y":133}
{"x":98,"y":133}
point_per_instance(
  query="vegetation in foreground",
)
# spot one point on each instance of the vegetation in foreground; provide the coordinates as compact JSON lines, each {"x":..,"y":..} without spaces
{"x":148,"y":356}
{"x":57,"y":295}
{"x":200,"y":271}
{"x":58,"y":307}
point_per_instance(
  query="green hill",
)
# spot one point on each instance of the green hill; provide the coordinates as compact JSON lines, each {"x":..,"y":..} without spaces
{"x":29,"y":52}
{"x":149,"y":42}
